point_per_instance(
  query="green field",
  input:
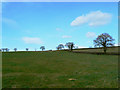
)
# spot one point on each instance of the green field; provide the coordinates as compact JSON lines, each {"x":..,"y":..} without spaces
{"x":57,"y":69}
{"x":113,"y":50}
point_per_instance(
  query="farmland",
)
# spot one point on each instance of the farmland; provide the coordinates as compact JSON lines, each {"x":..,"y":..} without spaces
{"x":59,"y":69}
{"x":110,"y":50}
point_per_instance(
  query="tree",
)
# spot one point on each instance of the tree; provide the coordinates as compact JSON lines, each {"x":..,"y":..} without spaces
{"x":60,"y":46}
{"x":6,"y":49}
{"x":70,"y":45}
{"x":42,"y":47}
{"x":15,"y":49}
{"x":3,"y":49}
{"x":27,"y":49}
{"x":57,"y":48}
{"x":104,"y":40}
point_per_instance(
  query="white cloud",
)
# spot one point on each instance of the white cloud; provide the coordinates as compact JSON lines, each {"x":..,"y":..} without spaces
{"x":82,"y":47}
{"x":65,"y":36}
{"x":77,"y":46}
{"x":91,"y":34}
{"x":58,"y":29}
{"x":118,"y":44}
{"x":96,"y":18}
{"x":32,"y":40}
{"x":8,"y":21}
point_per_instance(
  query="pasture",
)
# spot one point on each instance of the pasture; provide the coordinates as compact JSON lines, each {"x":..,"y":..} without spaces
{"x":59,"y":69}
{"x":110,"y":50}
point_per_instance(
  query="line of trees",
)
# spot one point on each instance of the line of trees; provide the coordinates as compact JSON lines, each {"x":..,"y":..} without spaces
{"x":15,"y":49}
{"x":69,"y":45}
{"x":103,"y":40}
{"x":4,"y":49}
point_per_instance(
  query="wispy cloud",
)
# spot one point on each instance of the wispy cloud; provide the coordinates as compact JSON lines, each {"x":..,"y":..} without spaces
{"x":10,"y":22}
{"x":65,"y":36}
{"x":77,"y":46}
{"x":90,"y":34}
{"x":96,"y":18}
{"x":58,"y":29}
{"x":32,"y":40}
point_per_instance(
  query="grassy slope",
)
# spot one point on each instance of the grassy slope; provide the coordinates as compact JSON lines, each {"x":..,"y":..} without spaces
{"x":99,"y":50}
{"x":53,"y":69}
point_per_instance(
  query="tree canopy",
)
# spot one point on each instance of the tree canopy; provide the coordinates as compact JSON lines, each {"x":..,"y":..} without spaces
{"x":42,"y":47}
{"x":104,"y":40}
{"x":70,"y":45}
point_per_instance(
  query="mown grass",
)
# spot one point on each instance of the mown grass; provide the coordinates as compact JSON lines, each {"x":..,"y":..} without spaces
{"x":54,"y":69}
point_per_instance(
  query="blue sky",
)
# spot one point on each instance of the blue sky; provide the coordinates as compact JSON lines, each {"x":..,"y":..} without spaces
{"x":31,"y":25}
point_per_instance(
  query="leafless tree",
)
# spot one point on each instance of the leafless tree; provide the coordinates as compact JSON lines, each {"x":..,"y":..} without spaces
{"x":42,"y":47}
{"x":70,"y":45}
{"x":27,"y":49}
{"x":60,"y":46}
{"x":15,"y":49}
{"x":104,"y":40}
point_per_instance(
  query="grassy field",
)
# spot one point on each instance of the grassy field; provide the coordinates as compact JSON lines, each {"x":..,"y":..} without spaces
{"x":99,"y":50}
{"x":59,"y":69}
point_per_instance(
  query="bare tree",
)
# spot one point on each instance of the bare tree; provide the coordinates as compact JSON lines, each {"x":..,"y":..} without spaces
{"x":57,"y":48}
{"x":6,"y":49}
{"x":27,"y":49}
{"x":15,"y":49}
{"x":104,"y":40}
{"x":70,"y":45}
{"x":42,"y":47}
{"x":60,"y":46}
{"x":3,"y":49}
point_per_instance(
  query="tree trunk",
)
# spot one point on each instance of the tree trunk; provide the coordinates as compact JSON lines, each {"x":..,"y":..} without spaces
{"x":71,"y":48}
{"x":105,"y":50}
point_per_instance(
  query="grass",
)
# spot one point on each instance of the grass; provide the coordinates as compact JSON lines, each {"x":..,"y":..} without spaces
{"x":55,"y":69}
{"x":99,"y":50}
